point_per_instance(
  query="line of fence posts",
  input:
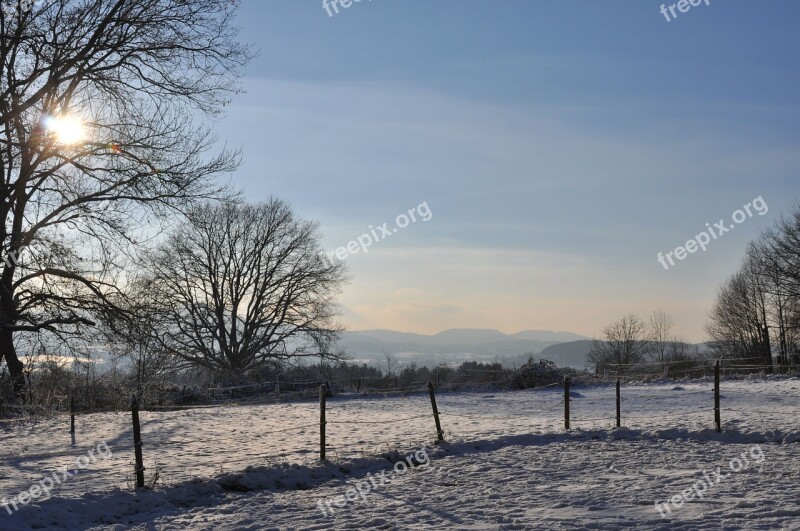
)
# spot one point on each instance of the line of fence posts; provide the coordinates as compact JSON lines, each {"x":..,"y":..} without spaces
{"x":323,"y":393}
{"x":137,"y":436}
{"x":717,"y":409}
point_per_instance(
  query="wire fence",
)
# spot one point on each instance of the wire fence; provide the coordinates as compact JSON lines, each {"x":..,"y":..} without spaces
{"x":110,"y":394}
{"x":184,"y":443}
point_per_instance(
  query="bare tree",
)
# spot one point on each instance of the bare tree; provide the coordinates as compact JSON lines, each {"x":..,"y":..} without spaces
{"x":625,"y":343}
{"x":389,"y":364}
{"x":661,"y":325}
{"x":738,"y":323}
{"x":237,"y":286}
{"x":782,"y":304}
{"x":758,"y":309}
{"x":99,"y":109}
{"x":785,"y":246}
{"x":779,"y":250}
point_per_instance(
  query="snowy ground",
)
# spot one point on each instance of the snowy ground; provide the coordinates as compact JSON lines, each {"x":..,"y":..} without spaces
{"x":507,"y":465}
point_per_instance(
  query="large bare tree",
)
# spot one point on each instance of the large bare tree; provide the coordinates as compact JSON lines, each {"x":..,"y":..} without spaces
{"x":101,"y":109}
{"x":237,"y":286}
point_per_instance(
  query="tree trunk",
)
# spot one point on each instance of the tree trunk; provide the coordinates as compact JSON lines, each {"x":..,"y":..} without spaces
{"x":15,"y":366}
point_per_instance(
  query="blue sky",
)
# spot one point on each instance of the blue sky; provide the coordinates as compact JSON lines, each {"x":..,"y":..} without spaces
{"x":559,"y":145}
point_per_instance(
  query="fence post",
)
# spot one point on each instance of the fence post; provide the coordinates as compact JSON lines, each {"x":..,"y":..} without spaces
{"x":619,"y":415}
{"x":137,"y":443}
{"x":566,"y":403}
{"x":322,"y":422}
{"x":439,"y":433}
{"x":72,"y":413}
{"x":717,"y":421}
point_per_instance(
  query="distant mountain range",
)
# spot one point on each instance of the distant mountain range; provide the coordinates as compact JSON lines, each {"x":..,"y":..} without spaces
{"x":458,"y":345}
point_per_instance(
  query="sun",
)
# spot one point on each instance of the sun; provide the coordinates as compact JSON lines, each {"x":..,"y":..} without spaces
{"x":67,"y":130}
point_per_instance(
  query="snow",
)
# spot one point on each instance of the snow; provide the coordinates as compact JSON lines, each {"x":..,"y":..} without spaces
{"x":507,"y":462}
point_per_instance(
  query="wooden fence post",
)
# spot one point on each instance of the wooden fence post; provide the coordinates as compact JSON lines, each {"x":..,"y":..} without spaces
{"x":323,"y":393}
{"x":717,"y":420}
{"x":137,"y":443}
{"x":619,"y":409}
{"x":566,"y":403}
{"x":72,"y":413}
{"x":439,"y":433}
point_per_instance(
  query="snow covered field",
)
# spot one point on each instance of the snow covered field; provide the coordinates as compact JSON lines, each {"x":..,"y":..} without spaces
{"x":507,"y":464}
